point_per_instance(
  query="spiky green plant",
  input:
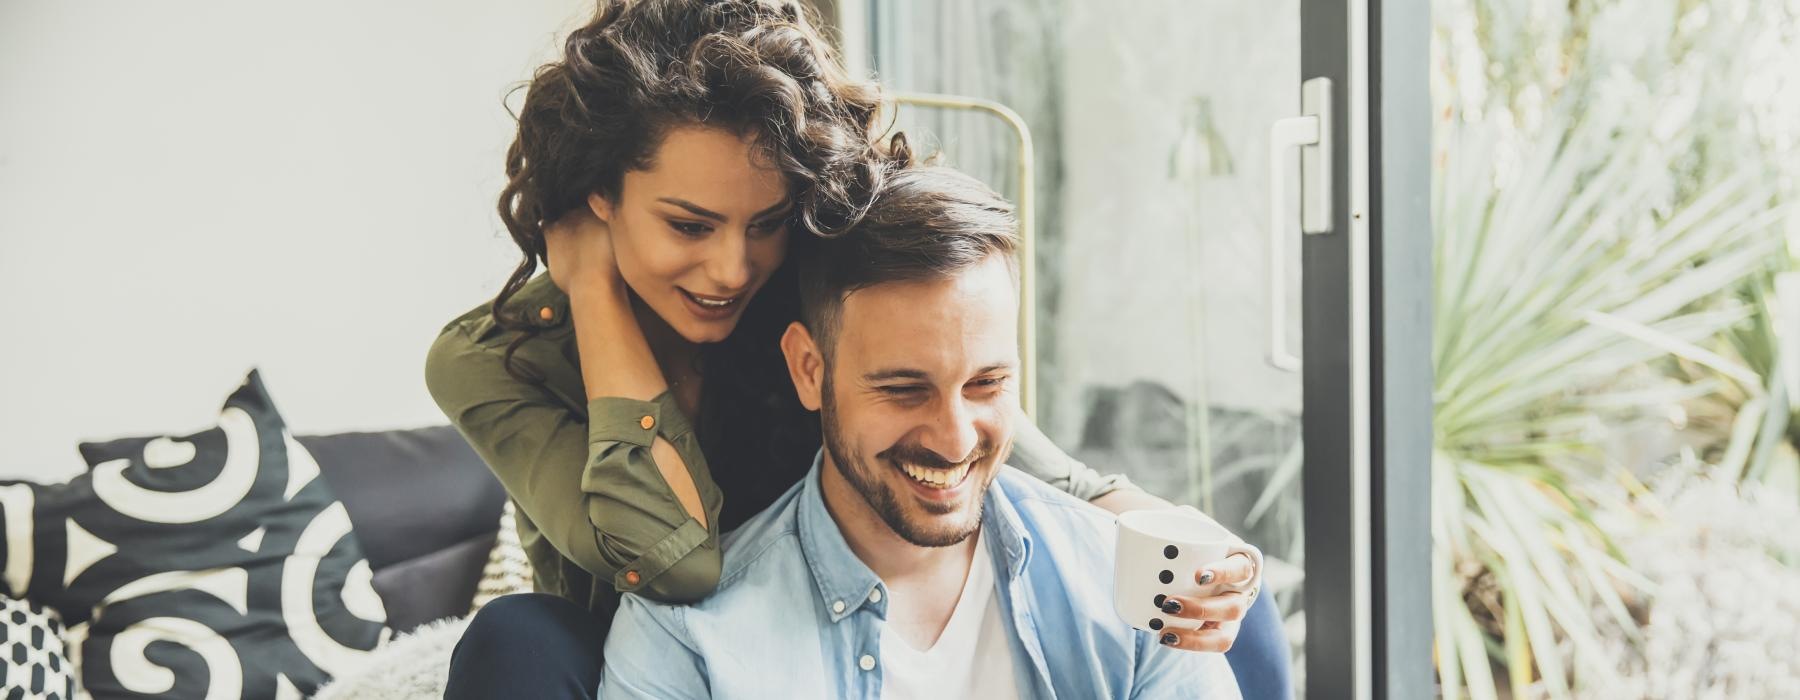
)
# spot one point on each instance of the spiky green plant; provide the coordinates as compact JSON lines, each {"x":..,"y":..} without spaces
{"x":1602,"y":196}
{"x":1560,"y":266}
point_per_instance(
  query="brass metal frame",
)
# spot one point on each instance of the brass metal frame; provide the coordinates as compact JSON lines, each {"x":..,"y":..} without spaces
{"x":1026,"y":204}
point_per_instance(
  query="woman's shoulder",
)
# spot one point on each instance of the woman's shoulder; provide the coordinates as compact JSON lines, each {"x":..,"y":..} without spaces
{"x":539,"y":302}
{"x":472,"y":347}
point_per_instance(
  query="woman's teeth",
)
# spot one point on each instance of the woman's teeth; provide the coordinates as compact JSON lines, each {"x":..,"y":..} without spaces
{"x":937,"y":478}
{"x":712,"y":303}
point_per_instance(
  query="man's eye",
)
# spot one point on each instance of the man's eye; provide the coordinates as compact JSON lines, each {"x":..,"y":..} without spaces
{"x":902,"y":390}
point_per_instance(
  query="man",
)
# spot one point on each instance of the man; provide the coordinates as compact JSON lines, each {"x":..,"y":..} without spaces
{"x":910,"y":562}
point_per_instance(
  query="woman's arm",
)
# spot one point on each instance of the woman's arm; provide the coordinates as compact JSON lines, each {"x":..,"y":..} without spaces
{"x":623,"y":491}
{"x":1034,"y":453}
{"x":587,"y":482}
{"x":616,"y":360}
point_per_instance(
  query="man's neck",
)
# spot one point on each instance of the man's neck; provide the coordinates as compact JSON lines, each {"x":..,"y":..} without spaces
{"x":894,"y":560}
{"x":925,"y":583}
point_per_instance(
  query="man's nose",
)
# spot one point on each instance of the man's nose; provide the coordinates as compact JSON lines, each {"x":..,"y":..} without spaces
{"x":728,"y":264}
{"x":952,"y":434}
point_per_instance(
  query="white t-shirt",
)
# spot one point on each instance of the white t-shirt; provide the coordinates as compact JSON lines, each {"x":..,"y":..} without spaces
{"x":971,"y":659}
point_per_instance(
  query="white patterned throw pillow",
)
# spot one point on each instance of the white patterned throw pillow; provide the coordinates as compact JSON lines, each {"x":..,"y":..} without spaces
{"x":33,"y":663}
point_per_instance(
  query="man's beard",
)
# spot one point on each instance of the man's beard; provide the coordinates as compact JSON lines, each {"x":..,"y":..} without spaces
{"x":866,"y":480}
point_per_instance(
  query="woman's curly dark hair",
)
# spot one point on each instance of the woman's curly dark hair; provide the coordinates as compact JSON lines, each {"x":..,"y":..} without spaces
{"x":758,"y":68}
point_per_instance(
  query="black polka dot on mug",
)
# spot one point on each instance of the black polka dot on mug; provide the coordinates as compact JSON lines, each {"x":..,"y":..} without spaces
{"x":1156,"y":623}
{"x":1170,"y":552}
{"x":1160,"y":597}
{"x":1166,"y":576}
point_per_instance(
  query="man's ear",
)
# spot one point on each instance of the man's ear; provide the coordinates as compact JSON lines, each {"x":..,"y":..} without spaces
{"x":806,"y":365}
{"x":602,"y":208}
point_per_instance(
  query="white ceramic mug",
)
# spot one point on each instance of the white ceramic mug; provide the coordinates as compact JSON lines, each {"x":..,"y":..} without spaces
{"x":1159,"y":553}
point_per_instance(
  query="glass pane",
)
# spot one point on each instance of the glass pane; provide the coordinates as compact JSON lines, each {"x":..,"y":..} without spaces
{"x":1150,"y":122}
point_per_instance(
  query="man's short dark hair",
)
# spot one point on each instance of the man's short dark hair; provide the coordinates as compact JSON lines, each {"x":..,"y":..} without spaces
{"x":928,"y":222}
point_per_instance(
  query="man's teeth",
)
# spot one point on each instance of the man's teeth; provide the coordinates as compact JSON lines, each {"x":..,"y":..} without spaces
{"x":940,"y":478}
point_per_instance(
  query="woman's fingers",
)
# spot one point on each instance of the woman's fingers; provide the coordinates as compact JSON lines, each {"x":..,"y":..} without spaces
{"x":1231,"y":571}
{"x":578,"y":251}
{"x":1214,"y":640}
{"x":1227,"y":607}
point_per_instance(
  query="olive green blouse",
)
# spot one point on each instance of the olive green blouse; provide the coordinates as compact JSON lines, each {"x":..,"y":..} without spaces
{"x":595,"y":516}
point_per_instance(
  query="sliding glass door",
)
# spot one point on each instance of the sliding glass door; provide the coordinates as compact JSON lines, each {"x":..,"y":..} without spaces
{"x":1206,"y":213}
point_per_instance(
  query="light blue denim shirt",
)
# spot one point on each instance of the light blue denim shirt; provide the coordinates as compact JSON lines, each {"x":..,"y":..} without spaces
{"x":797,"y":615}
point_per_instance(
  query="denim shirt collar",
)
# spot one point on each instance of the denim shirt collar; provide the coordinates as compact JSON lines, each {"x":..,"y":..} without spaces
{"x":842,"y":577}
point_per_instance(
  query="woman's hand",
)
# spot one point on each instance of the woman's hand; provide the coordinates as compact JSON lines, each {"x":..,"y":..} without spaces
{"x":1221,"y":602}
{"x":578,"y":250}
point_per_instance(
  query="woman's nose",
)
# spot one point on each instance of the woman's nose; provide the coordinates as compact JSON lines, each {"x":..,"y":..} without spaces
{"x":729,"y":262}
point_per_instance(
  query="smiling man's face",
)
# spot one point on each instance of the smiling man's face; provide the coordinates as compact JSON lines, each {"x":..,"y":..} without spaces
{"x":919,"y":396}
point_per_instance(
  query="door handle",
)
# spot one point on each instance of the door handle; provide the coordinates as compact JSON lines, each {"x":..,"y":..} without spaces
{"x":1311,"y":133}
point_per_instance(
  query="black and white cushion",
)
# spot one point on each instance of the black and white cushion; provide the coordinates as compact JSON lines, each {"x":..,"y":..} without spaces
{"x":213,"y":565}
{"x":33,"y":663}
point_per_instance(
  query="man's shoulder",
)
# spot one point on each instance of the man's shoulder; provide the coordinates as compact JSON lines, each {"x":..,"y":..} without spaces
{"x":763,"y":536}
{"x":768,"y":541}
{"x":1071,"y":562}
{"x":1046,"y":508}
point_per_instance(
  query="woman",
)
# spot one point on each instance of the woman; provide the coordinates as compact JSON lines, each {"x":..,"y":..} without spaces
{"x":662,"y":171}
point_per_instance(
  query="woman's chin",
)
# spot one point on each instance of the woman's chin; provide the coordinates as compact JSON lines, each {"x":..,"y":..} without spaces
{"x":708,"y":335}
{"x":699,"y":331}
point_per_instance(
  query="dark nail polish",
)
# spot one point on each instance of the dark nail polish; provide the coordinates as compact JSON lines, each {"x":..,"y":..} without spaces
{"x":1172,"y":607}
{"x":1206,"y":577}
{"x":1170,"y":638}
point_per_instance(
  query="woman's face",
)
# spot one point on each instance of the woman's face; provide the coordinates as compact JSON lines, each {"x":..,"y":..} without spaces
{"x":700,"y":231}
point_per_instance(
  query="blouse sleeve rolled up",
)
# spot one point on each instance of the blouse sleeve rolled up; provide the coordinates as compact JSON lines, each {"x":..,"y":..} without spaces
{"x":588,"y":483}
{"x":1034,"y":454}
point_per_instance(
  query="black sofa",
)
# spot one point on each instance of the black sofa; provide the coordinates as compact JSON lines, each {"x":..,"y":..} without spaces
{"x":425,"y":509}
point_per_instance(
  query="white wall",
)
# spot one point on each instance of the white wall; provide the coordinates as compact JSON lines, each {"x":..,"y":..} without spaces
{"x":191,"y":188}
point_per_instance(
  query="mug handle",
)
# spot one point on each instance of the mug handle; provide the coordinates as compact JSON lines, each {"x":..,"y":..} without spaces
{"x":1253,"y":587}
{"x":1250,"y":588}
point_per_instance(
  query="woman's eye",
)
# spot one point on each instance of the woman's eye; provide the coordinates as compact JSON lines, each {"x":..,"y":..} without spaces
{"x":767,"y":228}
{"x":689,"y":228}
{"x":990,"y":383}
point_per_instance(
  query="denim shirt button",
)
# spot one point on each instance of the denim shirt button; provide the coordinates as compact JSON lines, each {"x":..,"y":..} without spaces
{"x":837,"y":607}
{"x":866,"y":663}
{"x":875,"y":596}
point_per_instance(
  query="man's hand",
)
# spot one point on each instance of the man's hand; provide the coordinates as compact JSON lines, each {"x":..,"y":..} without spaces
{"x":1221,"y":603}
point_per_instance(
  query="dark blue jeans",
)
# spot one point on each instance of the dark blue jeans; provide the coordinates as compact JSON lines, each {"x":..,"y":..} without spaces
{"x":527,"y":645}
{"x":1259,"y":657}
{"x":535,"y":645}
